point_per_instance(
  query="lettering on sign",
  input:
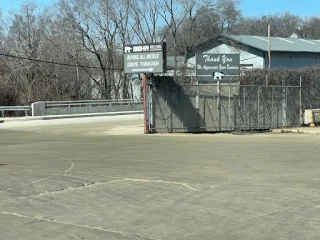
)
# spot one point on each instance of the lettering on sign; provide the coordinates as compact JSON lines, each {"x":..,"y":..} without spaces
{"x":132,"y":57}
{"x":145,"y":58}
{"x":140,"y":48}
{"x":208,"y":65}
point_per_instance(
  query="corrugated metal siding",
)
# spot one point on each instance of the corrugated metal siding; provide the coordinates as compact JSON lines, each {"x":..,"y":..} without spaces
{"x":294,"y":60}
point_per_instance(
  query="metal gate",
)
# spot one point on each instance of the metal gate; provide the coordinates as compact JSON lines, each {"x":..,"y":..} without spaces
{"x":222,"y":107}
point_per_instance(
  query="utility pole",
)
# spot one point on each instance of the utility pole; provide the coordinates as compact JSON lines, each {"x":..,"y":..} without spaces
{"x":269,"y":47}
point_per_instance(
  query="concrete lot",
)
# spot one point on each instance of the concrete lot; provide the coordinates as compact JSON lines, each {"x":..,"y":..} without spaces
{"x":100,"y":178}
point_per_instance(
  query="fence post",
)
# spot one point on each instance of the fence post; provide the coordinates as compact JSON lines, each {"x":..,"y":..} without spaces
{"x":150,"y":107}
{"x":166,"y":113}
{"x":284,"y":105}
{"x":264,"y":103}
{"x":244,"y":106}
{"x":258,"y":107}
{"x":198,"y":104}
{"x":272,"y":106}
{"x":301,"y":107}
{"x":229,"y":115}
{"x":267,"y":80}
{"x":219,"y":104}
{"x":235,"y":113}
{"x":197,"y":96}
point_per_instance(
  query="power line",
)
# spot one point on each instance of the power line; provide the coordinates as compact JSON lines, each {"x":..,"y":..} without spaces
{"x":51,"y":62}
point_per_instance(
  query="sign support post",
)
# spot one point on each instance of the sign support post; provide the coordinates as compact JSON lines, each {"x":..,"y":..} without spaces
{"x":145,"y":58}
{"x":145,"y":107}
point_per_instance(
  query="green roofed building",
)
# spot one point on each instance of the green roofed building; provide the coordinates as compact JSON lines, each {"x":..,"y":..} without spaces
{"x":290,"y":53}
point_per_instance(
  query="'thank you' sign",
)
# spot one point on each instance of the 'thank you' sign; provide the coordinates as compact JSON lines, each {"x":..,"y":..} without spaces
{"x":217,"y":67}
{"x":145,"y":58}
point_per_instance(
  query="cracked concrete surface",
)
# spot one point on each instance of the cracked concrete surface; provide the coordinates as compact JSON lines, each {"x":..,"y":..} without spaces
{"x":120,"y":234}
{"x":62,"y":181}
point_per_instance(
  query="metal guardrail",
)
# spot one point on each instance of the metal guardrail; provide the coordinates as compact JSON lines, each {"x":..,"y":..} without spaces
{"x":86,"y":103}
{"x":71,"y":104}
{"x":4,"y":109}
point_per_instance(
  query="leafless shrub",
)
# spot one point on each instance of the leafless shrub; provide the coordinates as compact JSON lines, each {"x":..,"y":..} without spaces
{"x":7,"y":96}
{"x":309,"y":78}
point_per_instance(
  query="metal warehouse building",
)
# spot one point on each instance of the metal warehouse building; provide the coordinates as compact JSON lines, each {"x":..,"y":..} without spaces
{"x":291,"y":53}
{"x":227,"y":105}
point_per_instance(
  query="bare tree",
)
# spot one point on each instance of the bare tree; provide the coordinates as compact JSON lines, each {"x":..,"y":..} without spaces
{"x":228,"y":15}
{"x":181,"y":18}
{"x":25,"y":38}
{"x":96,"y":24}
{"x":144,"y":21}
{"x":309,"y":28}
{"x":190,"y":23}
{"x":287,"y":24}
{"x":282,"y":25}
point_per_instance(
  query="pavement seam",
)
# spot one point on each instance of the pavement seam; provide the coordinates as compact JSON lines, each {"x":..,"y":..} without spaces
{"x":77,"y":225}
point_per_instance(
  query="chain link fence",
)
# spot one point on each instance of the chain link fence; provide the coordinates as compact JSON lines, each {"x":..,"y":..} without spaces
{"x":177,"y":107}
{"x":308,"y":78}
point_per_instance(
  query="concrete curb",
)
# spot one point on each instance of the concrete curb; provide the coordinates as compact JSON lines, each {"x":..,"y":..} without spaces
{"x":53,"y":117}
{"x":302,"y":130}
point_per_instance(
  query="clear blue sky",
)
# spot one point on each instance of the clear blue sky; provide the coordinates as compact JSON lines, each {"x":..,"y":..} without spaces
{"x":303,"y":8}
{"x":14,"y":5}
{"x":249,"y":8}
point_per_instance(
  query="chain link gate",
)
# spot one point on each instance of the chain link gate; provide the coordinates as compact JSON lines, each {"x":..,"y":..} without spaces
{"x":222,"y":107}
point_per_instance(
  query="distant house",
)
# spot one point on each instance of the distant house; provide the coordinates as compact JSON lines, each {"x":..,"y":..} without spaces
{"x":290,"y":53}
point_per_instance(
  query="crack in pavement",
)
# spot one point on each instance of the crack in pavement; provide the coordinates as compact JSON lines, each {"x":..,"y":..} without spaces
{"x":78,"y":225}
{"x":84,"y":185}
{"x":90,"y":184}
{"x":43,"y":179}
{"x":160,"y":181}
{"x":52,"y":192}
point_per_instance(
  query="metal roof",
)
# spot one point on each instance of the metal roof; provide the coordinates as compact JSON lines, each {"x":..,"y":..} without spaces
{"x":278,"y":44}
